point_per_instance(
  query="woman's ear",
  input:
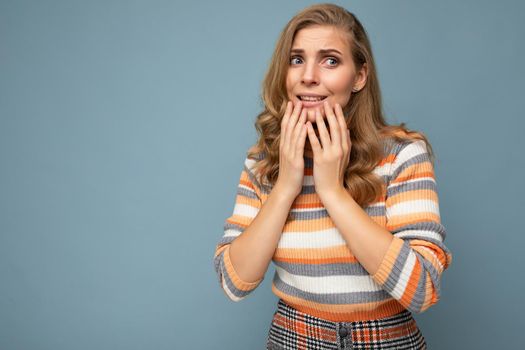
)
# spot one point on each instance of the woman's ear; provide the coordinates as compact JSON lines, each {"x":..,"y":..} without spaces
{"x":361,"y":76}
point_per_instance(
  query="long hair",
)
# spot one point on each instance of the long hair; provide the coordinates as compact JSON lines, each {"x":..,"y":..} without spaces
{"x":363,"y":113}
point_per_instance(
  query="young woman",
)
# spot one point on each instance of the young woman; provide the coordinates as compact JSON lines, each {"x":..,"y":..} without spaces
{"x":344,"y":205}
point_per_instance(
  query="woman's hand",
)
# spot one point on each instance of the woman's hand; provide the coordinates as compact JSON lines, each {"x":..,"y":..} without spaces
{"x":331,"y":155}
{"x":291,"y":149}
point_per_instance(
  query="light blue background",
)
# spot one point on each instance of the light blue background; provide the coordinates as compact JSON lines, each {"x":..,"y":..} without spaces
{"x":123,"y":126}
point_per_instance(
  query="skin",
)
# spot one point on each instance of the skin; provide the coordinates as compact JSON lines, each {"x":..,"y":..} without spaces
{"x":329,"y":74}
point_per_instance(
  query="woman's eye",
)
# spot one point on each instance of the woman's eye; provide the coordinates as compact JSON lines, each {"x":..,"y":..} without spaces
{"x":333,"y":59}
{"x":292,"y":58}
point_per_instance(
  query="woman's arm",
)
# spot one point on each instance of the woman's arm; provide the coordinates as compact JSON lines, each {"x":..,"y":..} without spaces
{"x":251,"y":236}
{"x":407,"y":257}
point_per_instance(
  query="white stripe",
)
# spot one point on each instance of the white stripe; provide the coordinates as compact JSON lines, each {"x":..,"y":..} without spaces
{"x":382,"y":169}
{"x":409,"y":151}
{"x":245,"y":210}
{"x":412,"y":207}
{"x":249,"y":163}
{"x":306,"y":210}
{"x":420,"y":233}
{"x":231,"y":233}
{"x":426,"y":178}
{"x":247,"y":188}
{"x":228,"y":292}
{"x":431,"y":252}
{"x":328,"y":284}
{"x":308,"y":180}
{"x":401,"y":285}
{"x":378,"y":204}
{"x":315,"y":239}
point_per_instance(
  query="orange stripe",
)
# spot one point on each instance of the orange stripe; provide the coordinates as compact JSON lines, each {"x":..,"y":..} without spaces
{"x":389,"y":159}
{"x":339,"y":253}
{"x":401,"y":220}
{"x":412,"y":195}
{"x":415,"y":171}
{"x":245,"y":180}
{"x":382,"y":273}
{"x":417,"y":245}
{"x":234,"y":277}
{"x":253,"y":202}
{"x":243,"y":221}
{"x":343,"y":312}
{"x":411,"y":287}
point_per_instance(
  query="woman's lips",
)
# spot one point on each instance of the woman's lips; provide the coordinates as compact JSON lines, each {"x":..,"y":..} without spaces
{"x":312,"y":103}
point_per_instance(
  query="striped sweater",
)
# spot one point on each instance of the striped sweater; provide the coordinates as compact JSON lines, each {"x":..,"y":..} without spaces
{"x":316,"y":272}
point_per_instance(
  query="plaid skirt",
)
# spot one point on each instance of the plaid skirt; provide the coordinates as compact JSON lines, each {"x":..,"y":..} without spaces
{"x":292,"y":329}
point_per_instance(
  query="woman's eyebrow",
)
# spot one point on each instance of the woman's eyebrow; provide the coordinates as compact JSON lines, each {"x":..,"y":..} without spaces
{"x":322,"y":51}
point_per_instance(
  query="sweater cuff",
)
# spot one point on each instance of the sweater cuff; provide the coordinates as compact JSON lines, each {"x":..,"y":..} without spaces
{"x":237,"y":281}
{"x":389,"y":260}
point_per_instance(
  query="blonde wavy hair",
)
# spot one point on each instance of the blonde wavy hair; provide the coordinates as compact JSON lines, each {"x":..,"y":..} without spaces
{"x":363,"y":112}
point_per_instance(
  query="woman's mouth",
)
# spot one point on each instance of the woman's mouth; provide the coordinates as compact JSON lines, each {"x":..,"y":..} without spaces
{"x":309,"y":101}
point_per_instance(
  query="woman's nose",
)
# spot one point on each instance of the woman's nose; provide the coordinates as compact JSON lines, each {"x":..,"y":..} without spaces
{"x":310,"y":75}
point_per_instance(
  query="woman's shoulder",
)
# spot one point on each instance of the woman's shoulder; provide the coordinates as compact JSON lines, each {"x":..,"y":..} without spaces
{"x":254,"y":153}
{"x":393,"y":145}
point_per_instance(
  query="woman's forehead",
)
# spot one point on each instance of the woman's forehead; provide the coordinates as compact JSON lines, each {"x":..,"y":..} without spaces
{"x":322,"y":37}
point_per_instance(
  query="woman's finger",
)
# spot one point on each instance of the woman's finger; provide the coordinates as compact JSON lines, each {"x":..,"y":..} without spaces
{"x":335,"y":133}
{"x":284,"y":123}
{"x":301,"y":141}
{"x":323,"y":132}
{"x":314,"y":142}
{"x":342,"y":126}
{"x":297,"y":130}
{"x":291,"y":123}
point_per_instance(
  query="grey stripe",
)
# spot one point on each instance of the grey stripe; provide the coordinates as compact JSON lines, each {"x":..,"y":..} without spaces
{"x":217,"y":266}
{"x":317,"y":270}
{"x":419,"y":296}
{"x":423,"y":184}
{"x":379,"y":210}
{"x":308,"y":189}
{"x":423,"y":225}
{"x":247,"y":193}
{"x":230,"y":226}
{"x":400,"y":262}
{"x":420,"y":158}
{"x":252,"y":177}
{"x":226,"y":240}
{"x":434,"y":274}
{"x":431,"y":240}
{"x":332,"y":298}
{"x":308,"y":215}
{"x":237,"y":292}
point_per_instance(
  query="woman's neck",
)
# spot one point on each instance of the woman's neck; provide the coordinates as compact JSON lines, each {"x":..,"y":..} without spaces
{"x":308,"y":151}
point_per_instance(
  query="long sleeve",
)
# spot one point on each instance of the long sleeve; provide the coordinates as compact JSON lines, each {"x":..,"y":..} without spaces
{"x":412,"y":266}
{"x":247,"y":205}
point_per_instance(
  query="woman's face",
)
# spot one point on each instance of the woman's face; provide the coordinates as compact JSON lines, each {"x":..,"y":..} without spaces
{"x":321,"y":64}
